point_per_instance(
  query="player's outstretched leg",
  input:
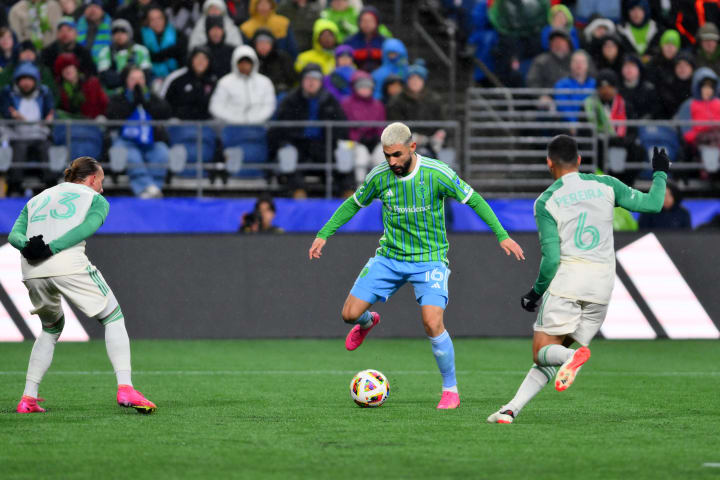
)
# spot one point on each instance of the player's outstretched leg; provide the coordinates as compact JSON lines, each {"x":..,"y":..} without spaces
{"x":40,"y":360}
{"x":117,"y":343}
{"x":534,"y":381}
{"x":567,"y":372}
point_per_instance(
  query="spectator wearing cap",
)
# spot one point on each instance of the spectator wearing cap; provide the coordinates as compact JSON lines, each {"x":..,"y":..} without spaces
{"x":640,"y":33}
{"x":704,"y":106}
{"x":67,"y":43}
{"x":362,"y":106}
{"x":26,"y":99}
{"x":560,"y":17}
{"x":579,"y":79}
{"x":549,"y":67}
{"x":217,"y":9}
{"x":392,"y":87}
{"x":147,"y":150}
{"x":661,"y":66}
{"x":80,"y":96}
{"x":325,"y":35}
{"x":220,"y":51}
{"x":708,"y":53}
{"x":275,"y":64}
{"x":135,"y":12}
{"x":263,"y":14}
{"x":673,"y":215}
{"x":188,"y":89}
{"x":418,"y":102}
{"x":344,"y":15}
{"x":94,"y":28}
{"x":8,"y":47}
{"x":166,"y":45}
{"x":395,"y":62}
{"x":596,"y":30}
{"x":367,"y":43}
{"x":244,"y":95}
{"x":310,"y":101}
{"x":35,"y":20}
{"x":302,"y":15}
{"x":28,"y":54}
{"x":339,"y":82}
{"x":639,"y":94}
{"x":609,"y":53}
{"x":122,"y":52}
{"x":678,"y":88}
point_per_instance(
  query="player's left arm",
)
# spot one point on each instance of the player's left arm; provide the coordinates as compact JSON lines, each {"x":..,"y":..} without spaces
{"x":550,"y":261}
{"x":18,"y":234}
{"x":96,"y":215}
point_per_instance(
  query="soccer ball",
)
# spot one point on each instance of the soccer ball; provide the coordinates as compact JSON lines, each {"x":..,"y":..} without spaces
{"x":369,"y":388}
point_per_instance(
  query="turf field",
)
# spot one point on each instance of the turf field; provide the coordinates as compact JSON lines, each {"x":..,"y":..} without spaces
{"x":281,"y":409}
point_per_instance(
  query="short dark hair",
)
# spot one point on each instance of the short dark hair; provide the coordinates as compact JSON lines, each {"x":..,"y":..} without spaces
{"x":563,"y":149}
{"x":81,"y":168}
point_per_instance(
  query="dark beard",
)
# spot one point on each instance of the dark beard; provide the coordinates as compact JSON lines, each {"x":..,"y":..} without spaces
{"x":403,"y":170}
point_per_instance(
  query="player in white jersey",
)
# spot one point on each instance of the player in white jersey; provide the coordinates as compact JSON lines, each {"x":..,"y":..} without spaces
{"x":574,"y":217}
{"x":50,"y":233}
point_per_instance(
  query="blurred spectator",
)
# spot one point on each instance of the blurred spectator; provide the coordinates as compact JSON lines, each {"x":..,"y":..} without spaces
{"x":310,"y":101}
{"x":302,"y":15}
{"x":263,"y":15}
{"x":28,"y":53}
{"x":183,"y":14}
{"x":275,"y":64}
{"x":8,"y":48}
{"x":244,"y":95}
{"x":662,"y":65}
{"x":584,"y":9}
{"x":608,"y":53}
{"x":238,"y":10}
{"x":135,"y":12}
{"x":392,"y":87}
{"x":639,"y":94}
{"x":367,"y":43}
{"x":67,"y":43}
{"x":579,"y":79}
{"x":598,"y":28}
{"x":673,"y":216}
{"x":325,"y":34}
{"x":26,"y":99}
{"x":94,"y":28}
{"x":147,"y":150}
{"x":261,"y":219}
{"x":483,"y":40}
{"x":549,"y":67}
{"x":417,"y":102}
{"x":640,"y":33}
{"x":80,"y":96}
{"x":220,"y":51}
{"x":395,"y":62}
{"x":344,"y":16}
{"x":691,"y":15}
{"x":69,"y":8}
{"x":339,"y":82}
{"x":35,"y":20}
{"x":606,"y":105}
{"x":167,"y":46}
{"x":188,"y":89}
{"x":362,"y":106}
{"x":705,"y":105}
{"x":559,"y":17}
{"x":214,"y":8}
{"x":708,"y":53}
{"x":676,"y":89}
{"x":122,"y":52}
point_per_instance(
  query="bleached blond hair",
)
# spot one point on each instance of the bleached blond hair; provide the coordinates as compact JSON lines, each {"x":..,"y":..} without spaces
{"x":396,"y":133}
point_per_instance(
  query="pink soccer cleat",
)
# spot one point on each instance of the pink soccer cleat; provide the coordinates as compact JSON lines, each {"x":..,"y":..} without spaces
{"x":449,"y":400}
{"x":357,"y":335}
{"x":127,"y":396}
{"x":566,"y":375}
{"x":30,"y":405}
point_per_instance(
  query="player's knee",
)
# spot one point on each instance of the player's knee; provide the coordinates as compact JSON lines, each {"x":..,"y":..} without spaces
{"x":348,"y":315}
{"x":54,"y":327}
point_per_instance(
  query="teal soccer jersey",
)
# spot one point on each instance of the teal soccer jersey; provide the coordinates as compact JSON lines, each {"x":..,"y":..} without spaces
{"x":413,"y":208}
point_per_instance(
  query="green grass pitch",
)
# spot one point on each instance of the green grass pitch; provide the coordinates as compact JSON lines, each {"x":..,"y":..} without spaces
{"x":281,"y":409}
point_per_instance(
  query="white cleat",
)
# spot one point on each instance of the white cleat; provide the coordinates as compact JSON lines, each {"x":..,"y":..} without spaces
{"x":501,"y":416}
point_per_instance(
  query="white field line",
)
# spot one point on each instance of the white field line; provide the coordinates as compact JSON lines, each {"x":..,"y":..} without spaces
{"x":711,"y":464}
{"x":694,"y":373}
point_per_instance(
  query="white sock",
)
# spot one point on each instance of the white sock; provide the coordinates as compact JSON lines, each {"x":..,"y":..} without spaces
{"x":534,"y":381}
{"x":118,"y":349}
{"x":551,"y":355}
{"x":40,"y":360}
{"x":452,"y":389}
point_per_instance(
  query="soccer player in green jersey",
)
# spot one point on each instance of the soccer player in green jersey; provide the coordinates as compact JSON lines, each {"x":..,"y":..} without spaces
{"x":577,"y":271}
{"x":414,"y":245}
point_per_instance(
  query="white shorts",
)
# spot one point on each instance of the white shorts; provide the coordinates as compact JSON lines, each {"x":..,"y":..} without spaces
{"x":87,"y":291}
{"x":565,"y":316}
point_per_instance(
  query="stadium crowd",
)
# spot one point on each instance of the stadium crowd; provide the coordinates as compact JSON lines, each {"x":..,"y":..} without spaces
{"x":238,"y":61}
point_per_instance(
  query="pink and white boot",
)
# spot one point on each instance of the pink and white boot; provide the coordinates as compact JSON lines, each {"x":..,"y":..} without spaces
{"x":30,"y":405}
{"x":127,"y":396}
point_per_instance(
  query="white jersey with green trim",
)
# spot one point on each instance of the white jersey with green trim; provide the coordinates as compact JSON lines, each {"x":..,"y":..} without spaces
{"x":53,"y":213}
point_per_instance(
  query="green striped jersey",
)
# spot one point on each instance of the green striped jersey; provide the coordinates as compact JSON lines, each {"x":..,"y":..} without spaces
{"x":414,"y":208}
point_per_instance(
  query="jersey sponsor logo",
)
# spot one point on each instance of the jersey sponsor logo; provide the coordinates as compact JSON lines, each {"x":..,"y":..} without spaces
{"x":397,"y":209}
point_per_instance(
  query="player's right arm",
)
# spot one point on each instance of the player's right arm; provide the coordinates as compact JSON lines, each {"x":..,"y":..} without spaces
{"x":18,"y":234}
{"x":637,"y":201}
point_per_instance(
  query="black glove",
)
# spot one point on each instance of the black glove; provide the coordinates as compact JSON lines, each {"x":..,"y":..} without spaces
{"x":36,"y":249}
{"x":660,"y":160}
{"x":529,"y":300}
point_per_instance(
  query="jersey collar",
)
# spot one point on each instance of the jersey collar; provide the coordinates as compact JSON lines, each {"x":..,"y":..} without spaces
{"x":414,"y":172}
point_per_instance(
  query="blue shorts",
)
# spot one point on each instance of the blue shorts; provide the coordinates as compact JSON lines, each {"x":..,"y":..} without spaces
{"x":382,"y":277}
